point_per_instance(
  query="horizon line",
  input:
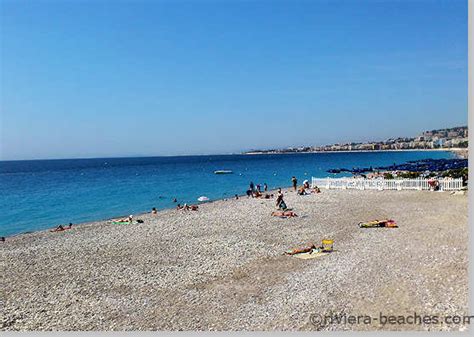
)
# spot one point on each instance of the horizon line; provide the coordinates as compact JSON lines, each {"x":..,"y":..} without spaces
{"x":248,"y":153}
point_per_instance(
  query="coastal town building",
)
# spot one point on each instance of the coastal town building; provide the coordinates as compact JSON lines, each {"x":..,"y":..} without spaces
{"x":435,"y":139}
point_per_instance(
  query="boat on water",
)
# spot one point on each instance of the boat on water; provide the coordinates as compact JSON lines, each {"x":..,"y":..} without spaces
{"x":223,"y":172}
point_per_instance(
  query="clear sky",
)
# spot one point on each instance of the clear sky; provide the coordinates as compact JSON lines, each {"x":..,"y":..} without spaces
{"x":115,"y":78}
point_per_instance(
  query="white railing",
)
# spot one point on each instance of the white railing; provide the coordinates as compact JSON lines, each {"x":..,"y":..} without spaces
{"x":447,"y":184}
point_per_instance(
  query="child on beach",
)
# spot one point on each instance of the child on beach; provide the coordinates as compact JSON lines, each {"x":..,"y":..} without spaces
{"x":154,"y":211}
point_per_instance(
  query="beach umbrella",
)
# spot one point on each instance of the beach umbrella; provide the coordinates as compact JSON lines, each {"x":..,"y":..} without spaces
{"x":203,"y":198}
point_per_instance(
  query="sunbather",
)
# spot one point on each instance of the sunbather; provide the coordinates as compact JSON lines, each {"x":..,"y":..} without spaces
{"x":186,"y":207}
{"x":302,"y":191}
{"x":285,"y":214}
{"x":379,"y":223}
{"x":306,"y":249}
{"x":129,"y":219}
{"x":315,"y":189}
{"x":61,"y":228}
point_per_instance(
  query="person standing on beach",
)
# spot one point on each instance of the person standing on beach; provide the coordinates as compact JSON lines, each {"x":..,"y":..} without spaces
{"x":295,"y":182}
{"x":252,"y":186}
{"x":258,"y":188}
{"x":280,"y":204}
{"x":265,"y":187}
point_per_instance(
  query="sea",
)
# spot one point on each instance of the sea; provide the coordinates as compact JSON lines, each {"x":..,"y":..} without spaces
{"x":41,"y":194}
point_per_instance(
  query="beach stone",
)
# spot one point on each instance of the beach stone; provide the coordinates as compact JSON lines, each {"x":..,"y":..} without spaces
{"x":223,"y":268}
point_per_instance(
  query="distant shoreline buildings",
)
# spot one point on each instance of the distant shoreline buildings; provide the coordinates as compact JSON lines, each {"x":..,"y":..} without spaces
{"x":435,"y":139}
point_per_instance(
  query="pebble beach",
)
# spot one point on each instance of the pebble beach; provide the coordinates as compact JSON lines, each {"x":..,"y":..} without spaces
{"x":223,"y":268}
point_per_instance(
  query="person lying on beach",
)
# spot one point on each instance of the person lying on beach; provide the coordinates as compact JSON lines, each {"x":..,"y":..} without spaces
{"x":257,"y":194}
{"x":186,"y":207}
{"x":315,"y":189}
{"x":284,"y":214}
{"x":129,"y":219}
{"x":60,"y":228}
{"x":302,"y":191}
{"x":305,"y":249}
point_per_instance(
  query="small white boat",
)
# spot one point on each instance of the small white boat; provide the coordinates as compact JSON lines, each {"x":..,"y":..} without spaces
{"x":203,"y":198}
{"x":223,"y":172}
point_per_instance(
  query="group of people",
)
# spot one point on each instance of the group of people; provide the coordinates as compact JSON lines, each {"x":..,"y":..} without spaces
{"x":184,"y":207}
{"x":187,"y":207}
{"x":306,"y":189}
{"x":283,"y":211}
{"x":255,"y":191}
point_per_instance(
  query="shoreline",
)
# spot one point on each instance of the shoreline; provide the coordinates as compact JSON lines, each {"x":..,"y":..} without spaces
{"x":454,"y":150}
{"x":108,"y":220}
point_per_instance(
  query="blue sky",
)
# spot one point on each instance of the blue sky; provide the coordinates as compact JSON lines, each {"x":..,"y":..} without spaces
{"x":115,"y":78}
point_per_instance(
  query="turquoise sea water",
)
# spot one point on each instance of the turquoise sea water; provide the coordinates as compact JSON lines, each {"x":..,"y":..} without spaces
{"x":44,"y":193}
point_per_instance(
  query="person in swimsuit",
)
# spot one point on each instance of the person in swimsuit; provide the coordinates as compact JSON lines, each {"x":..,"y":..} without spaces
{"x":294,"y":182}
{"x":61,"y":228}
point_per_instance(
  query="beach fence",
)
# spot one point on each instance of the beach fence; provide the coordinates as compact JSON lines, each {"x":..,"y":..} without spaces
{"x":447,"y":184}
